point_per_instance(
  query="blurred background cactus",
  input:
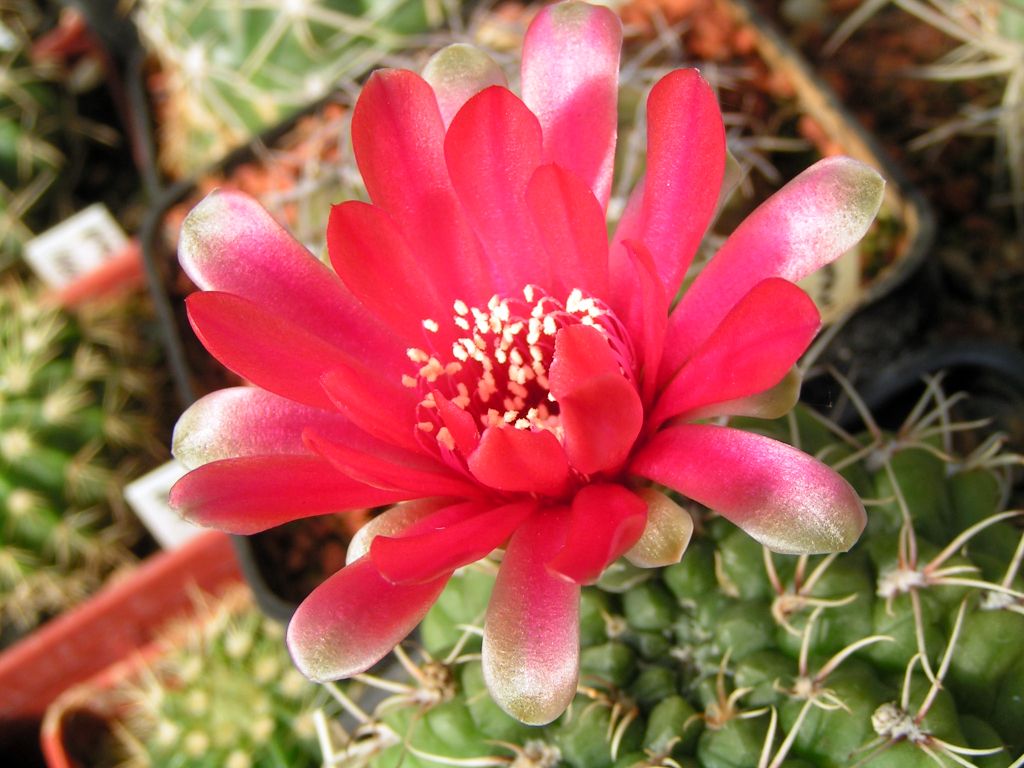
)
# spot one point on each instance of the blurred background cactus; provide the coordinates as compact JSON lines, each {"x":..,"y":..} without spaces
{"x":29,"y":159}
{"x":904,"y":651}
{"x":217,"y":691}
{"x":46,"y":141}
{"x":228,"y":71}
{"x":77,"y":410}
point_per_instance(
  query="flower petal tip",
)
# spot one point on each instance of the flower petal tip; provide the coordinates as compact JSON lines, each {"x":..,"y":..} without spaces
{"x":213,"y":221}
{"x":836,"y":527}
{"x":457,"y":73}
{"x":666,"y":535}
{"x":862,"y":186}
{"x":531,"y":706}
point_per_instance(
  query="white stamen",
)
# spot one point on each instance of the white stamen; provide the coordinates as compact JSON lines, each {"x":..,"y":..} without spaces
{"x":444,"y":437}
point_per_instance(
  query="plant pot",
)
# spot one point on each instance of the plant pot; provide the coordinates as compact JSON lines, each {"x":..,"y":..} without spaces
{"x":119,"y":619}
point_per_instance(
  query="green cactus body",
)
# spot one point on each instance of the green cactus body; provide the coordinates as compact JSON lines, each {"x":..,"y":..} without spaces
{"x":906,"y":651}
{"x":232,"y":70}
{"x":74,"y":426}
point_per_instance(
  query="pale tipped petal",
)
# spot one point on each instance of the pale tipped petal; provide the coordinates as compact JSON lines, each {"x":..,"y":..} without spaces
{"x":247,"y":421}
{"x":666,"y":535}
{"x":783,"y":498}
{"x":810,"y":222}
{"x":390,"y":522}
{"x":354,"y":619}
{"x":457,"y":73}
{"x":230,"y":243}
{"x":773,"y":403}
{"x":531,"y":634}
{"x":261,"y":345}
{"x":421,"y":555}
{"x":570,"y":76}
{"x":253,"y":493}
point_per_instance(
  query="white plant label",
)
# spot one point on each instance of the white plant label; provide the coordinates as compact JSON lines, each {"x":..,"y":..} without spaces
{"x":148,"y":497}
{"x":75,"y":247}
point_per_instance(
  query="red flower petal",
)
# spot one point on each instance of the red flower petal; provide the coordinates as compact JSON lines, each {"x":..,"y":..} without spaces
{"x":599,"y":409}
{"x":606,"y":520}
{"x":253,"y":493}
{"x":531,"y":634}
{"x":365,"y":403}
{"x":570,"y":76}
{"x":398,"y":139}
{"x":510,"y":459}
{"x":380,"y":269}
{"x":459,"y":423}
{"x":262,"y":346}
{"x":782,"y":497}
{"x":418,"y":557}
{"x":408,"y":474}
{"x":230,"y":243}
{"x":646,"y":313}
{"x":752,"y":349}
{"x":685,"y":166}
{"x":492,"y":148}
{"x":571,"y":227}
{"x":247,"y":421}
{"x":392,"y":522}
{"x":354,"y":619}
{"x":811,"y":221}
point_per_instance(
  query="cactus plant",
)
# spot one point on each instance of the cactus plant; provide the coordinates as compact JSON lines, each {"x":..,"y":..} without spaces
{"x":906,"y":651}
{"x":29,"y":158}
{"x":231,"y":70}
{"x":215,"y":690}
{"x":73,"y":428}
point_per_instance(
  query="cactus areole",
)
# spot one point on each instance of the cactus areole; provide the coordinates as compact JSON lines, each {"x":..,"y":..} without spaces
{"x":485,"y":360}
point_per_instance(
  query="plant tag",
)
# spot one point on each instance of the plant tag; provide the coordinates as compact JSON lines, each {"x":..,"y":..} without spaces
{"x":148,"y":497}
{"x":76,"y":246}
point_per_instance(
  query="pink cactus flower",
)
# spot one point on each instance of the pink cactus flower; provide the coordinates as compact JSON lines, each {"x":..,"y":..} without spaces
{"x":485,"y":360}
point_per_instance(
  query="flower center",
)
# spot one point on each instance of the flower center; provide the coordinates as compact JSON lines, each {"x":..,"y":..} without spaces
{"x":497,"y":367}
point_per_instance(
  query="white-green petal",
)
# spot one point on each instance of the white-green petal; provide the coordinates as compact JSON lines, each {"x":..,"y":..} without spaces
{"x":459,"y":72}
{"x":666,"y":535}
